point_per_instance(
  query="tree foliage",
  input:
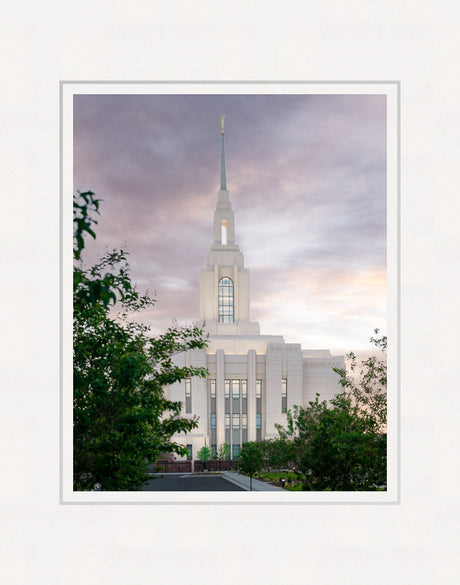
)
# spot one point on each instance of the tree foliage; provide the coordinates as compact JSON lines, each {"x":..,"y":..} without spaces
{"x":122,"y":419}
{"x":204,"y":455}
{"x":251,"y":459}
{"x":223,"y":451}
{"x":366,"y":383}
{"x":341,"y":445}
{"x":279,"y":453}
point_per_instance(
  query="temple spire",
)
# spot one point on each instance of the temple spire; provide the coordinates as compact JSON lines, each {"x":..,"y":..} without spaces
{"x":224,"y":228}
{"x":223,"y":176}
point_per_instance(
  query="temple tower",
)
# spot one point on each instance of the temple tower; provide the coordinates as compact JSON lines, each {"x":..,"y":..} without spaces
{"x":224,"y":282}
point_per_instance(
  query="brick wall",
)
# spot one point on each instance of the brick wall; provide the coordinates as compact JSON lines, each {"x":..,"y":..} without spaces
{"x":168,"y":465}
{"x":213,"y":465}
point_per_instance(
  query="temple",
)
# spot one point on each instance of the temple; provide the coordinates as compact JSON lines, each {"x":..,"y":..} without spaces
{"x":253,"y":379}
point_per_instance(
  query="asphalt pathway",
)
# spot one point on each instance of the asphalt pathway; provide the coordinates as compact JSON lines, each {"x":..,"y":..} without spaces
{"x":226,"y":481}
{"x":179,"y":482}
{"x":245,"y":482}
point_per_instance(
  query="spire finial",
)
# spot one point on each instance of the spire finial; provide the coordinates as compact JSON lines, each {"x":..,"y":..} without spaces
{"x":223,"y":177}
{"x":222,"y":116}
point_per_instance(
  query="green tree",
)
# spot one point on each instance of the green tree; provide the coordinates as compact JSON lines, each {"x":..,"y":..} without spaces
{"x":223,"y":452}
{"x":278,"y":453}
{"x":204,"y":455}
{"x":251,"y":459}
{"x":122,"y":419}
{"x":366,"y":383}
{"x":341,"y":445}
{"x":334,"y":447}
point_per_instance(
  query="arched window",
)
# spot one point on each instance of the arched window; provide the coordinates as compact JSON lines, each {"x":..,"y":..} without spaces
{"x":225,"y":301}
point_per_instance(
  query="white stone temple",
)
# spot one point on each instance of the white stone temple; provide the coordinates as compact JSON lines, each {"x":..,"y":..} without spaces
{"x":253,"y":378}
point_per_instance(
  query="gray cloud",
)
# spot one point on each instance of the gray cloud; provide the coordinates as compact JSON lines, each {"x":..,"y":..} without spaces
{"x":307,"y":180}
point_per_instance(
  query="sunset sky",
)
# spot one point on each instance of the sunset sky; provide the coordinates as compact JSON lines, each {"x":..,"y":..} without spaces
{"x":307,"y":181}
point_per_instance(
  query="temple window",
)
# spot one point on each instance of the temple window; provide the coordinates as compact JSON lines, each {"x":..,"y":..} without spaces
{"x":225,"y":300}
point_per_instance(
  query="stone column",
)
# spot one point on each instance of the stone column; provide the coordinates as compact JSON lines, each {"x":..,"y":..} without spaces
{"x":220,"y":400}
{"x":251,"y":395}
{"x":216,"y":292}
{"x":274,"y":362}
{"x":236,"y":294}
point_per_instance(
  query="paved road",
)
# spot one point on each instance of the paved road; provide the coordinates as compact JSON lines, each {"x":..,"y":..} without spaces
{"x":179,"y":482}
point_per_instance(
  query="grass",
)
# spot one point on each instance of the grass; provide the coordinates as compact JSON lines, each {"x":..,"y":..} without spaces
{"x":296,"y":487}
{"x":274,"y":475}
{"x":293,"y":482}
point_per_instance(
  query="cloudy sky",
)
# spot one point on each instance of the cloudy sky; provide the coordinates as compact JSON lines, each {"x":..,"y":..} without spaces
{"x":307,"y":181}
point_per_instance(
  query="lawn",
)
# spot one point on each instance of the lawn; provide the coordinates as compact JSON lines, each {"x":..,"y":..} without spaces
{"x":293,"y":481}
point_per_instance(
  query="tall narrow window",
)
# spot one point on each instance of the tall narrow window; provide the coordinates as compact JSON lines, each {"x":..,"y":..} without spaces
{"x":223,"y":228}
{"x":212,"y":388}
{"x":235,"y":411}
{"x":258,"y":388}
{"x":188,"y":395}
{"x":212,"y":405}
{"x":284,"y":395}
{"x":258,"y":410}
{"x":244,"y":396}
{"x":227,"y":396}
{"x":225,"y":300}
{"x":235,"y":396}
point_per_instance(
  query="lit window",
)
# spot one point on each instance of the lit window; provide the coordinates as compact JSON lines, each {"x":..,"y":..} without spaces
{"x":236,"y":421}
{"x":225,"y":300}
{"x":283,"y":395}
{"x":244,"y":421}
{"x":258,"y":388}
{"x":188,"y":395}
{"x":227,"y":421}
{"x":212,"y":388}
{"x":236,"y":388}
{"x":224,"y":232}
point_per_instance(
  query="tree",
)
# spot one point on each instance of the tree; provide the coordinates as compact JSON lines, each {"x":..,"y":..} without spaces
{"x":335,"y":449}
{"x":122,"y":419}
{"x":251,"y":459}
{"x":341,"y":445}
{"x":204,"y":455}
{"x":366,"y":384}
{"x":223,"y":451}
{"x":278,"y":453}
